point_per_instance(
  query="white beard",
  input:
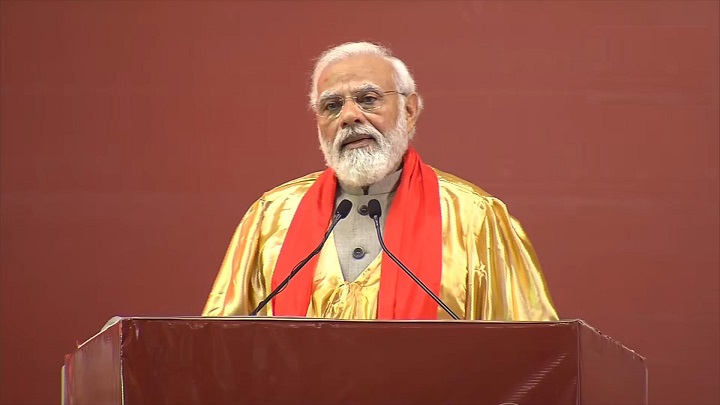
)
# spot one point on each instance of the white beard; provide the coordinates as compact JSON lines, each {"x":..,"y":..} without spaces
{"x":366,"y":165}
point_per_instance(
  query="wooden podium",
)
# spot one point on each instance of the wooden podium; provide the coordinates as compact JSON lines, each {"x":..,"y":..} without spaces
{"x":214,"y":361}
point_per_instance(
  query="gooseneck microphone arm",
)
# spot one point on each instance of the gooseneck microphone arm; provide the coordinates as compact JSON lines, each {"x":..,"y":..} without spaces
{"x":374,"y":212}
{"x":341,"y":212}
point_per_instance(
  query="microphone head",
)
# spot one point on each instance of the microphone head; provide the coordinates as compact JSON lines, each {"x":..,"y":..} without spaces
{"x":343,"y":208}
{"x":374,"y":209}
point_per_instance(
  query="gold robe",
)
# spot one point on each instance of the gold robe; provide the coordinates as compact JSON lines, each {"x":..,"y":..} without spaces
{"x":490,"y":270}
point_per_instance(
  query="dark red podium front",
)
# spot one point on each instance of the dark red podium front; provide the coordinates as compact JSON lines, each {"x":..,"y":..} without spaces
{"x":309,"y":361}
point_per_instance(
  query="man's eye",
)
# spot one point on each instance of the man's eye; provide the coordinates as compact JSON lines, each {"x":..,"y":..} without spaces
{"x":368,"y":99}
{"x":332,"y":105}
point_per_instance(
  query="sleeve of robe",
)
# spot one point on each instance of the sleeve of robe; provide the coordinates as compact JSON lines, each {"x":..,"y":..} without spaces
{"x":238,"y":286}
{"x":508,"y":283}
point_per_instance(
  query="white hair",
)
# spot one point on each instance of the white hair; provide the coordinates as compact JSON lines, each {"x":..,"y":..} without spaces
{"x":404,"y":81}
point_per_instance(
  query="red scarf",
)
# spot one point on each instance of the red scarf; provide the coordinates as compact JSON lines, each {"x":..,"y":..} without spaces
{"x":413,"y":233}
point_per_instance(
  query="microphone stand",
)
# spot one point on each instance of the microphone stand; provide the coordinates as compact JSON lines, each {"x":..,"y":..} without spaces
{"x":342,"y":211}
{"x":410,"y":273}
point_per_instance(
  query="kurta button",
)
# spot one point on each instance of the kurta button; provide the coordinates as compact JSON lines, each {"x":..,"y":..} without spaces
{"x":358,"y":253}
{"x":363,"y":209}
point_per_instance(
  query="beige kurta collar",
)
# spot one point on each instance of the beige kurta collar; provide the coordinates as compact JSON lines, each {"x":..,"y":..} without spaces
{"x":387,"y":185}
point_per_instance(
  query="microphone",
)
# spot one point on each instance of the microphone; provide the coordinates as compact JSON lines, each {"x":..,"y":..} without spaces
{"x":341,"y":212}
{"x":374,"y":211}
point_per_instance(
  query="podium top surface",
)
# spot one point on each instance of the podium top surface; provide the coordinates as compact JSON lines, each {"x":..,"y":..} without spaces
{"x":305,"y":321}
{"x":230,"y":322}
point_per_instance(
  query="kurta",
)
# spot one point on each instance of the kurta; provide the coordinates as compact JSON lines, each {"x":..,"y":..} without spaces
{"x":490,"y":270}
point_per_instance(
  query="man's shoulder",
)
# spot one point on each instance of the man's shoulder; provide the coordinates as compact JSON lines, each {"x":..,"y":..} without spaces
{"x":295,"y":188}
{"x":454,"y":185}
{"x":466,"y":194}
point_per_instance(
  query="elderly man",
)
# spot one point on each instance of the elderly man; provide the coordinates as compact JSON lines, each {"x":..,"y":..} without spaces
{"x":459,"y":242}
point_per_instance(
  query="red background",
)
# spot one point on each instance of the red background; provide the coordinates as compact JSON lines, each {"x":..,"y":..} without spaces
{"x":136,"y":134}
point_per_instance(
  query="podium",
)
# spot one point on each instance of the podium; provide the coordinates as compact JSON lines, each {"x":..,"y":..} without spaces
{"x":260,"y":360}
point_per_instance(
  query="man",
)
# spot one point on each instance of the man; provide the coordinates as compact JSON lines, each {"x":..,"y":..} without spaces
{"x":458,"y":240}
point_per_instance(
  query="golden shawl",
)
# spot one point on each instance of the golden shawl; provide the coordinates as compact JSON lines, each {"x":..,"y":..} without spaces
{"x":490,"y":270}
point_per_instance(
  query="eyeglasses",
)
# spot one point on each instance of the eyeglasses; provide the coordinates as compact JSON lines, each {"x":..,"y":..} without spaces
{"x":367,"y":100}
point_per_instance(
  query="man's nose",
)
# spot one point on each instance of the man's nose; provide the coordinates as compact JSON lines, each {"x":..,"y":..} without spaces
{"x":351,"y":114}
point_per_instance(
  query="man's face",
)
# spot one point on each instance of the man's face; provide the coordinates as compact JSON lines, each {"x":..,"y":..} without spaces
{"x":363,"y":146}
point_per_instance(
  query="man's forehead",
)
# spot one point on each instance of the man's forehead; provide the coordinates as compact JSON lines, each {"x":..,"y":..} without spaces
{"x":356,"y":71}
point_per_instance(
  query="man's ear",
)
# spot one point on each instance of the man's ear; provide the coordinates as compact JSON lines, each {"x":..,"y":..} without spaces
{"x":412,"y":110}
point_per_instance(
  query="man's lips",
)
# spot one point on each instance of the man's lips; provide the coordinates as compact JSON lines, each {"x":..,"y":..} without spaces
{"x":357,"y":141}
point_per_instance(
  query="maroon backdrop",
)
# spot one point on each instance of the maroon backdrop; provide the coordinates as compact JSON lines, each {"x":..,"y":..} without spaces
{"x":135,"y":135}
